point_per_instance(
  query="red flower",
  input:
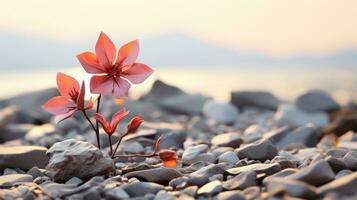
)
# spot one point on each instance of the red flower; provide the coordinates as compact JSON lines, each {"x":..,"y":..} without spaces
{"x":110,"y":127}
{"x":168,"y":157}
{"x":71,"y":99}
{"x":115,"y":71}
{"x":134,"y":124}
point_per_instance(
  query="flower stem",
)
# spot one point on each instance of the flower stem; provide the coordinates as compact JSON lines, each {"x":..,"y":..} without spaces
{"x":119,"y":141}
{"x":97,"y":123}
{"x":136,"y":155}
{"x":94,"y":128}
{"x":110,"y":144}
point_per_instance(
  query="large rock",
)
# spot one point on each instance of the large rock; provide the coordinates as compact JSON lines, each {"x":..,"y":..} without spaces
{"x":161,"y":90}
{"x":223,"y":113}
{"x":76,"y":158}
{"x":261,"y":150}
{"x":23,"y":157}
{"x":292,"y":116}
{"x":316,"y":101}
{"x":259,"y":99}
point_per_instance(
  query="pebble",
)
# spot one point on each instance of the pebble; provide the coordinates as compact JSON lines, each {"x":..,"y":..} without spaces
{"x":174,"y":138}
{"x":291,"y":116}
{"x":258,"y":99}
{"x":343,"y":173}
{"x":157,"y":175}
{"x":307,"y":135}
{"x":261,"y":150}
{"x":210,"y":188}
{"x":228,"y":157}
{"x":345,"y":185}
{"x":350,"y":159}
{"x":230,"y":195}
{"x":116,"y":194}
{"x":293,"y":188}
{"x":241,"y":181}
{"x":163,"y":195}
{"x":23,"y":157}
{"x":259,"y":168}
{"x":139,"y":189}
{"x":316,"y":174}
{"x":316,"y":101}
{"x":15,"y":178}
{"x":233,"y":140}
{"x":193,"y":151}
{"x":222,"y":113}
{"x":201,"y":176}
{"x":76,"y":158}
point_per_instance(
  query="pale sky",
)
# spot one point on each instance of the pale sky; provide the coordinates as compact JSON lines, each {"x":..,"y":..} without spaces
{"x":273,"y":27}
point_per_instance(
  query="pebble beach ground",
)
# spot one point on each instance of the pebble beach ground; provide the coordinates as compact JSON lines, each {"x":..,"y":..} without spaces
{"x":254,"y":147}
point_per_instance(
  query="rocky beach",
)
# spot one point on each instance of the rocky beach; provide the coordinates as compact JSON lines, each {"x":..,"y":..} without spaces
{"x":254,"y":147}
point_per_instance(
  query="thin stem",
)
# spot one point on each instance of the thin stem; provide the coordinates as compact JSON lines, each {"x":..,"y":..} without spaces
{"x":110,"y":144}
{"x":97,"y":123}
{"x":95,"y":130}
{"x":119,"y":141}
{"x":136,"y":155}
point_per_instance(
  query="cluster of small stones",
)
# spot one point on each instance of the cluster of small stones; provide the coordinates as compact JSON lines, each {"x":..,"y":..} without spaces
{"x":254,"y":147}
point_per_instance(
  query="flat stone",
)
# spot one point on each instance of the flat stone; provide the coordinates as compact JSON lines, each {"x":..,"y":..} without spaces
{"x":261,"y":150}
{"x":163,"y":195}
{"x":337,"y":153}
{"x":76,"y":158}
{"x":210,"y":188}
{"x":233,"y":140}
{"x":345,"y":185}
{"x":317,"y":173}
{"x":14,"y":131}
{"x":23,"y":157}
{"x":350,"y":159}
{"x":335,"y":163}
{"x":241,"y":181}
{"x":307,"y":135}
{"x":230,"y":195}
{"x":44,"y":135}
{"x":15,"y":178}
{"x":223,"y":113}
{"x":315,"y":101}
{"x":117,"y":193}
{"x":229,"y":157}
{"x":293,"y":117}
{"x":187,"y":104}
{"x":258,"y":99}
{"x":258,"y":168}
{"x":174,"y":138}
{"x":193,"y":151}
{"x":201,"y":176}
{"x":342,"y":173}
{"x":157,"y":175}
{"x":282,"y":174}
{"x":293,"y":188}
{"x":138,"y":189}
{"x":252,"y":193}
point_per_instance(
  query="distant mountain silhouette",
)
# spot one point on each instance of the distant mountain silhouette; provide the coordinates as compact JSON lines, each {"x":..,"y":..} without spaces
{"x":19,"y":52}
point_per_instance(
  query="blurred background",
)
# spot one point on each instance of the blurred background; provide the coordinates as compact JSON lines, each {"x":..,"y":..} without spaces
{"x":210,"y":47}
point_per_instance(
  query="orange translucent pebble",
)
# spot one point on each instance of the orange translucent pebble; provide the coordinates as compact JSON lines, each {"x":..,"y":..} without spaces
{"x":170,"y":163}
{"x":119,"y":101}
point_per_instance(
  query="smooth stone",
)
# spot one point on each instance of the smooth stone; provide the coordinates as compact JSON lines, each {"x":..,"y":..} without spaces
{"x":293,"y":188}
{"x":293,"y":117}
{"x":316,"y":174}
{"x":133,"y":147}
{"x":76,"y":158}
{"x":138,"y":189}
{"x":174,"y":138}
{"x":230,"y":195}
{"x":163,"y":195}
{"x":222,"y":113}
{"x":220,"y":150}
{"x":307,"y":135}
{"x":160,"y":90}
{"x":345,"y":185}
{"x":233,"y":140}
{"x":23,"y":157}
{"x":277,"y":135}
{"x":58,"y":190}
{"x":117,"y":194}
{"x":9,"y":171}
{"x":342,"y":123}
{"x":74,"y":181}
{"x":316,"y":101}
{"x":15,"y":178}
{"x":187,"y":104}
{"x":258,"y":99}
{"x":252,"y":193}
{"x":36,"y":172}
{"x":350,"y":159}
{"x":14,"y":131}
{"x":335,"y":163}
{"x":228,"y":157}
{"x":210,"y":188}
{"x":156,"y":175}
{"x":253,"y":133}
{"x":42,"y":135}
{"x":261,"y":150}
{"x":193,"y":151}
{"x":258,"y":168}
{"x":241,"y":181}
{"x":342,"y":173}
{"x":179,"y":182}
{"x":201,"y":176}
{"x":282,"y":174}
{"x":337,"y":153}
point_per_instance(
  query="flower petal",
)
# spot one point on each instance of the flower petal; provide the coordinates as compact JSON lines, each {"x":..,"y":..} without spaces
{"x":58,"y":105}
{"x":137,"y":73}
{"x":121,"y":87}
{"x":117,"y":117}
{"x":128,"y":53}
{"x":105,"y":50}
{"x":105,"y":124}
{"x":64,"y":116}
{"x":101,"y":84}
{"x":66,"y":84}
{"x":90,"y":63}
{"x":80,"y":99}
{"x":169,"y":158}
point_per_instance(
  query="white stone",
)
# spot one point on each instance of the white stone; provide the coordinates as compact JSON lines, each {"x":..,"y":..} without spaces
{"x":225,"y":113}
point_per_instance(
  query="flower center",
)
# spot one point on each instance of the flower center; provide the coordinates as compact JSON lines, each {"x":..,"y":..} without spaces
{"x":116,"y":70}
{"x":73,"y":94}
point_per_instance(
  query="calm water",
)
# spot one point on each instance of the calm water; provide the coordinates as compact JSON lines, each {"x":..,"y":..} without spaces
{"x":284,"y":83}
